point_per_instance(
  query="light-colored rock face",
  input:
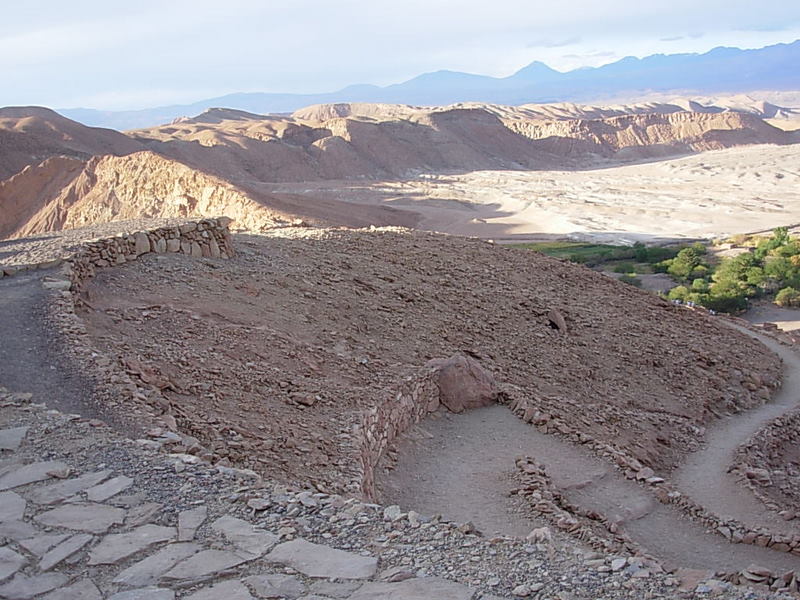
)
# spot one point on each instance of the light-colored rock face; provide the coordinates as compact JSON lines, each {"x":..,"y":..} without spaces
{"x":115,"y":188}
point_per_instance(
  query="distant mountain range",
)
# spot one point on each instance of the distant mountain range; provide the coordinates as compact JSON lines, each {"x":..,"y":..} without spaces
{"x":721,"y":70}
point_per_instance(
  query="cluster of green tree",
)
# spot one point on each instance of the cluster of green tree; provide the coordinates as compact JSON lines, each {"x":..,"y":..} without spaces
{"x":772,"y":268}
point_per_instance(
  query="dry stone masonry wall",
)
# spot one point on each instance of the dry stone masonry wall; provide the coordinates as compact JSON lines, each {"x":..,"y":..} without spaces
{"x":207,"y":238}
{"x":381,"y":425}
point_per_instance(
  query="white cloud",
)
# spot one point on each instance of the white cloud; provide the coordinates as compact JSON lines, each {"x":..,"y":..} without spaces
{"x":130,"y":55}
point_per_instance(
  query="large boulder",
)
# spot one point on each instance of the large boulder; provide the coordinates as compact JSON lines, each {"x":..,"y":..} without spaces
{"x":463,"y":383}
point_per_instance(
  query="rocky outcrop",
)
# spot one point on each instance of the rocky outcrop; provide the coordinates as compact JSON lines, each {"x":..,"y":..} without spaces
{"x":226,"y":161}
{"x":463,"y":383}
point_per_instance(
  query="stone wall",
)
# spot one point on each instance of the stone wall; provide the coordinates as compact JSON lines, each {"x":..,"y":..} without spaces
{"x":764,"y":467}
{"x":417,"y":397}
{"x":144,"y":406}
{"x":208,"y":238}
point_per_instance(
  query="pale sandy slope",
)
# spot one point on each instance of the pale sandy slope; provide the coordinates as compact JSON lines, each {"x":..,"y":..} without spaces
{"x":708,"y":195}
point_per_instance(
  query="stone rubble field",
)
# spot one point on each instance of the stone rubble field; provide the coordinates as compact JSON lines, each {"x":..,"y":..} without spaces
{"x":87,"y":514}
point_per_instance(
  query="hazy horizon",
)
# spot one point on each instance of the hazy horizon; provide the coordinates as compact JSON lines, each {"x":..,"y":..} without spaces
{"x":89,"y":54}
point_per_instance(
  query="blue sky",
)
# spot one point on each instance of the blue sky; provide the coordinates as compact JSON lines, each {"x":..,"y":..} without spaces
{"x":112,"y":55}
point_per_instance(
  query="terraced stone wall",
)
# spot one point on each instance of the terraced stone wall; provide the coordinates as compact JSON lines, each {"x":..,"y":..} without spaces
{"x":380,"y":426}
{"x":208,"y":238}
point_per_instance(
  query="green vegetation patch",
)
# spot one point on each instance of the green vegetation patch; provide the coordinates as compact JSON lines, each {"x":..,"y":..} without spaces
{"x":771,"y":269}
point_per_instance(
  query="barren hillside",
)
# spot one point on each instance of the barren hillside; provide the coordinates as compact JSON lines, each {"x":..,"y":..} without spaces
{"x":270,"y":359}
{"x":30,"y":134}
{"x":55,"y":173}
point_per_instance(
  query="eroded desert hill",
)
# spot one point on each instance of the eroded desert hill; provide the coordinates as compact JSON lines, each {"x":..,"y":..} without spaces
{"x":30,"y":134}
{"x":57,"y":173}
{"x":269,"y":360}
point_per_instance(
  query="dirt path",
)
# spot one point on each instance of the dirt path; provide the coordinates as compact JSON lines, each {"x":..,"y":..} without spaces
{"x":704,"y":474}
{"x":30,"y":357}
{"x":461,"y":465}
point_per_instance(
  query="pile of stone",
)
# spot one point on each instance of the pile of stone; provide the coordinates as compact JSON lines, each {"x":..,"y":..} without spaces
{"x":544,"y":500}
{"x":764,"y":466}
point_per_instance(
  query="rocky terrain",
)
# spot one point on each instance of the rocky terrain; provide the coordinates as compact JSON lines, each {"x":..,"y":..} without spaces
{"x":265,"y":366}
{"x":312,"y":326}
{"x":269,"y":170}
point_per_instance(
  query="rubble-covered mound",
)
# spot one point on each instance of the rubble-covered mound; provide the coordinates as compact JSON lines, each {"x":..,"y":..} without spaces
{"x":271,"y":361}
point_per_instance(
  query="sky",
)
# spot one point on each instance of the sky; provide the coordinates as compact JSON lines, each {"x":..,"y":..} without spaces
{"x":115,"y":55}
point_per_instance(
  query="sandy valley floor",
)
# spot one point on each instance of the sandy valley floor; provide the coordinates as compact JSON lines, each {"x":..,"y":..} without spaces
{"x":706,"y":195}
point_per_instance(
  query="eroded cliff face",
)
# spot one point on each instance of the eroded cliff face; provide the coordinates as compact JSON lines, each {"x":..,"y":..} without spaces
{"x":648,"y":135}
{"x":110,"y":188}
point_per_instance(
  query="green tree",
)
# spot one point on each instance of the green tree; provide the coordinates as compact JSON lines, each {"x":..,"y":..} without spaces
{"x":788,"y":296}
{"x":684,"y":263}
{"x":680,"y":292}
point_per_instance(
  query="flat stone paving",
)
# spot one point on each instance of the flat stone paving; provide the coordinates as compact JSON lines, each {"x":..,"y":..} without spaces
{"x":70,"y":522}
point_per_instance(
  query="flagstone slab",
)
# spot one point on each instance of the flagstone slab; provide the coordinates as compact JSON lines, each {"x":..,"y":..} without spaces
{"x":335,"y":589}
{"x":58,"y":492}
{"x":148,"y":593}
{"x":38,"y":471}
{"x":227,"y":590}
{"x":316,"y":560}
{"x":89,"y":516}
{"x":40,"y":544}
{"x":12,"y":507}
{"x":414,"y":589}
{"x":64,"y":550}
{"x":85,"y":589}
{"x":112,"y":487}
{"x":205,"y":563}
{"x":10,"y":439}
{"x":189,"y":521}
{"x":148,"y":571}
{"x":17,"y":530}
{"x":244,"y":535}
{"x":118,"y":546}
{"x":276,"y":585}
{"x":10,"y":562}
{"x":23,"y":587}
